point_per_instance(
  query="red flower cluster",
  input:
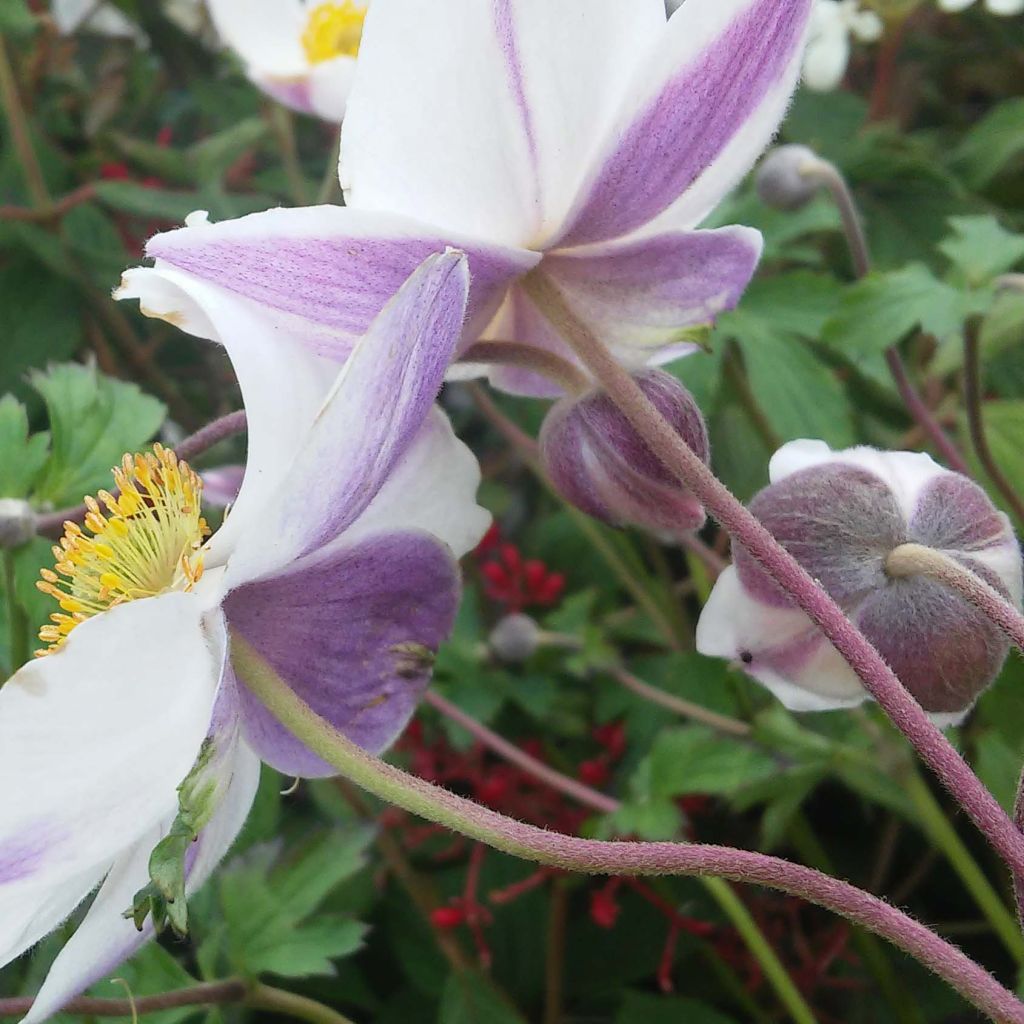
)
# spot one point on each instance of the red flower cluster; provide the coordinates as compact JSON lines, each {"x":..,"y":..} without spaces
{"x":513,"y":581}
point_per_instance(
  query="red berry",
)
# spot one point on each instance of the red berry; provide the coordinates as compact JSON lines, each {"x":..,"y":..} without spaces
{"x":511,"y":557}
{"x":594,"y":773}
{"x":612,"y":736}
{"x":496,"y":574}
{"x":604,"y":910}
{"x":447,"y":917}
{"x":535,"y":573}
{"x":115,"y":170}
{"x":492,"y":790}
{"x":491,"y":539}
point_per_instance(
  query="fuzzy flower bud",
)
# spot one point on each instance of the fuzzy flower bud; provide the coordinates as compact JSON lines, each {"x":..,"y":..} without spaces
{"x":782,"y":180}
{"x":598,"y":462}
{"x":515,"y":638}
{"x":17,"y":522}
{"x":841,"y":514}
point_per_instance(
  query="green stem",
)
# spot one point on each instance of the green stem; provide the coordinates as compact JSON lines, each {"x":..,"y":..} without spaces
{"x":17,"y":621}
{"x":935,"y":823}
{"x":277,"y":1000}
{"x":21,"y":138}
{"x":734,"y":908}
{"x":329,"y":184}
{"x":283,"y":125}
{"x":591,"y":856}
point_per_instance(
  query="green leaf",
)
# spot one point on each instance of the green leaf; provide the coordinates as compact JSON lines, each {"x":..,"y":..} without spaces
{"x":94,"y":420}
{"x":992,"y":143}
{"x":21,"y":457}
{"x":998,"y":765}
{"x":214,"y":155}
{"x":130,"y":197}
{"x":650,"y":820}
{"x":883,"y":308}
{"x":41,"y":321}
{"x":1004,"y":429}
{"x":641,"y":1008}
{"x":16,"y":19}
{"x":982,"y":248}
{"x":469,"y":998}
{"x":306,"y":951}
{"x":695,"y":759}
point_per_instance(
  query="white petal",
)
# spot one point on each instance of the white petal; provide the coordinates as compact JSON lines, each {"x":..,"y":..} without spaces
{"x":266,"y":34}
{"x":825,"y":60}
{"x":1005,"y":7}
{"x":94,"y":741}
{"x":480,"y":115}
{"x":789,"y":655}
{"x":432,"y":489}
{"x":283,"y":384}
{"x":330,"y":84}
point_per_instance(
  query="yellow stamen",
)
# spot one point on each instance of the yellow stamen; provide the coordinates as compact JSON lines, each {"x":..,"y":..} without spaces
{"x":147,"y":543}
{"x":333,"y":30}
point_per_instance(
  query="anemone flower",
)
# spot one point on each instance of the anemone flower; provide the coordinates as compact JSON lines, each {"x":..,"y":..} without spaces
{"x":337,"y":565}
{"x":834,"y":24}
{"x":300,"y":52}
{"x":581,"y":141}
{"x":841,"y":514}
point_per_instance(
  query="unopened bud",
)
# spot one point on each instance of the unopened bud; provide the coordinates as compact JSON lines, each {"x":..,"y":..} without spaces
{"x":598,"y":462}
{"x":515,"y":638}
{"x":17,"y":522}
{"x":783,"y":180}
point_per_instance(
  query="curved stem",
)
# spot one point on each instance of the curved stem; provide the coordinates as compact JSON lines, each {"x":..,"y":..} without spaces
{"x":876,"y":675}
{"x":976,"y":422}
{"x":918,"y":560}
{"x":277,"y":1000}
{"x":214,"y":993}
{"x":528,"y":357}
{"x":617,"y":858}
{"x":825,"y":173}
{"x":52,"y":523}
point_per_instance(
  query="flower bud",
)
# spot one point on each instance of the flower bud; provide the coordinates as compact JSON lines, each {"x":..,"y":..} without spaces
{"x":841,"y":514}
{"x":599,"y":463}
{"x":17,"y":522}
{"x":782,"y":180}
{"x":515,"y":638}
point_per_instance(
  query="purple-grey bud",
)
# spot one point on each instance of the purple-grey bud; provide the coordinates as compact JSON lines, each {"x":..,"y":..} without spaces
{"x":842,"y":520}
{"x":599,"y":463}
{"x":17,"y":522}
{"x":782,"y":179}
{"x":515,"y":638}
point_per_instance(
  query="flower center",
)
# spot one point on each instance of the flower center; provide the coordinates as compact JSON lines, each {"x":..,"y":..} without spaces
{"x":144,"y":541}
{"x":333,"y":30}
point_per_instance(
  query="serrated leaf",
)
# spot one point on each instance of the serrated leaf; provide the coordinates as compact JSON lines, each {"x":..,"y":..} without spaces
{"x":982,"y":248}
{"x":22,"y":457}
{"x":469,"y":998}
{"x":94,"y":420}
{"x":883,"y":308}
{"x":306,"y":951}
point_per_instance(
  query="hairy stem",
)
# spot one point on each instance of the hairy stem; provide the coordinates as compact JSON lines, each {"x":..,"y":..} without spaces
{"x":878,"y":678}
{"x":827,"y":174}
{"x":617,"y":858}
{"x":918,"y":560}
{"x":976,"y":421}
{"x":528,"y":357}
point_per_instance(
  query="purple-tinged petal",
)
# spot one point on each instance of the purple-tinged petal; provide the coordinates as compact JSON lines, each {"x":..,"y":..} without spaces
{"x":480,"y":115}
{"x":320,"y":274}
{"x":352,"y":634}
{"x":704,"y":107}
{"x":375,"y":411}
{"x":221,"y":485}
{"x":293,"y":92}
{"x":143,"y":676}
{"x":639,"y":296}
{"x":779,"y":647}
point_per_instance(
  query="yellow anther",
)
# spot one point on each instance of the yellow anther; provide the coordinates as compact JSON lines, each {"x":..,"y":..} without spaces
{"x":333,"y":30}
{"x":149,"y":542}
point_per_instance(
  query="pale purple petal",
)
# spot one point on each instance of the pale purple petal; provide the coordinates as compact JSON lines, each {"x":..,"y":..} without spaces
{"x":323,"y":273}
{"x":221,"y":485}
{"x":344,"y":632}
{"x":375,"y":411}
{"x":709,"y":101}
{"x":639,"y":296}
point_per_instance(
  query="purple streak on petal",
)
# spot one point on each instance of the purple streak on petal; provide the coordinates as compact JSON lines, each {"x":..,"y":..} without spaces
{"x":20,"y":856}
{"x":338,"y":631}
{"x":690,"y":122}
{"x":504,"y":25}
{"x":332,"y":280}
{"x":639,"y":292}
{"x":292,"y":92}
{"x":221,"y":485}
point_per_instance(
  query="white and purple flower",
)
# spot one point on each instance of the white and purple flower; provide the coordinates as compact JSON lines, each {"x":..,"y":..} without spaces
{"x":583,"y":140}
{"x":300,"y":52}
{"x":841,"y":514}
{"x":337,"y":565}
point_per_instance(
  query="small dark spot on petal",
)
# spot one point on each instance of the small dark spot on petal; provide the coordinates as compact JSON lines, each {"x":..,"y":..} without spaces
{"x":746,"y":657}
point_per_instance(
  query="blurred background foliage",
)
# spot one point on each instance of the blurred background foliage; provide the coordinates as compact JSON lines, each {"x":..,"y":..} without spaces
{"x":391,"y":921}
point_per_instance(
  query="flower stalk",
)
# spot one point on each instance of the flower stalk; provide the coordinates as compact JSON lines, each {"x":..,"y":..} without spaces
{"x":878,"y":678}
{"x":620,"y":858}
{"x":917,"y":560}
